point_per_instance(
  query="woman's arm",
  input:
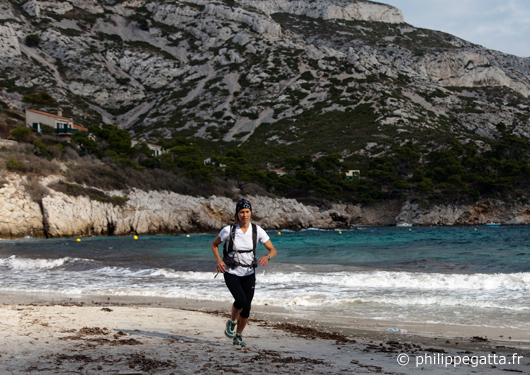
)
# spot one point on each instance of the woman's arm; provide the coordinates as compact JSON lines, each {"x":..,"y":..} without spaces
{"x":215,"y":250}
{"x":272,"y":253}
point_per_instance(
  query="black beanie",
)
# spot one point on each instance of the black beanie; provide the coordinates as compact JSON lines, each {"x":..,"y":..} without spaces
{"x":242,"y":203}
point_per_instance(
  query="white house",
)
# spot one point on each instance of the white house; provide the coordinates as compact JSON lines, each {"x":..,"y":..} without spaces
{"x":353,"y":173}
{"x":62,"y":125}
{"x":208,"y":161}
{"x":157,"y":150}
{"x":279,"y":172}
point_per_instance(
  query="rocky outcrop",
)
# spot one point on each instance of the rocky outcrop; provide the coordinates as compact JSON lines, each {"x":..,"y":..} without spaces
{"x":91,"y":6}
{"x":160,"y":212}
{"x":34,"y":8}
{"x":328,"y":10}
{"x":480,"y":213}
{"x":9,"y":46}
{"x":141,"y":62}
{"x":466,"y":69}
{"x":19,"y":215}
{"x":256,"y":22}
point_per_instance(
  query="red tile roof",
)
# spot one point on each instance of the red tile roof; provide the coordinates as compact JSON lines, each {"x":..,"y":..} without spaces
{"x":48,"y":114}
{"x":79,"y":127}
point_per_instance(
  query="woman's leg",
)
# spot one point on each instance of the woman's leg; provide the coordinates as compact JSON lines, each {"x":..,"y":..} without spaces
{"x":234,"y":316}
{"x":247,"y":285}
{"x":240,"y":299}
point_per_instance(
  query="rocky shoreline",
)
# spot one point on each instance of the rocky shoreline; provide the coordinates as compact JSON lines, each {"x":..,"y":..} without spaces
{"x":162,"y":212}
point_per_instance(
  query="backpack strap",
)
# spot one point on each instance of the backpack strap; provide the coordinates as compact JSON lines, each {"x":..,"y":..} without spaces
{"x":229,"y":244}
{"x":255,"y":244}
{"x":254,"y":238}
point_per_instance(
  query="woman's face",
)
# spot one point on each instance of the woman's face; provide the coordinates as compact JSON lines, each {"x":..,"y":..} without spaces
{"x":244,"y":216}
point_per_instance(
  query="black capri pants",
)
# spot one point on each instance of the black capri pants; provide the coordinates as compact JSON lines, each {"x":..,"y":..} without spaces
{"x":242,"y":289}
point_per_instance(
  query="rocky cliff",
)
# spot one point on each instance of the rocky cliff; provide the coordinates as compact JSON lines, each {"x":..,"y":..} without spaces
{"x":238,"y":71}
{"x":154,"y":212}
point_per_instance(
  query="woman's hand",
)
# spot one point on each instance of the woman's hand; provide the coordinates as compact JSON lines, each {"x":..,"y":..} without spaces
{"x":264,"y":261}
{"x":272,"y":253}
{"x":221,"y":267}
{"x":215,"y":250}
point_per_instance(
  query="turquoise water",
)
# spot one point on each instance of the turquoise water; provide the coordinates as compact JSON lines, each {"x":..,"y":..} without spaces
{"x":467,"y":275}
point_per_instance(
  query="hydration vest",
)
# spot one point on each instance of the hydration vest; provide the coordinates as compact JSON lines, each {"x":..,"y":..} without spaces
{"x":232,"y":262}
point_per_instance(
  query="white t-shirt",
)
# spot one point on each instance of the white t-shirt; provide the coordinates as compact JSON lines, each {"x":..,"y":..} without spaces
{"x":243,"y":241}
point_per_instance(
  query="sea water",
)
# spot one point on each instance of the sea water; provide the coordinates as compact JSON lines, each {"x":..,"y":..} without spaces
{"x":456,"y":275}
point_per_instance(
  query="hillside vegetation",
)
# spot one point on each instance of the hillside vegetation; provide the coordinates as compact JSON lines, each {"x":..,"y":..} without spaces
{"x":253,"y":86}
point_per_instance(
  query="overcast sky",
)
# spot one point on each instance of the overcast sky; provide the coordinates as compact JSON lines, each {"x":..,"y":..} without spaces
{"x":502,"y":25}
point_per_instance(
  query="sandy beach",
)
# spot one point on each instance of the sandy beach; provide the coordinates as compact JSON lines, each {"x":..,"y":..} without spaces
{"x":53,"y":334}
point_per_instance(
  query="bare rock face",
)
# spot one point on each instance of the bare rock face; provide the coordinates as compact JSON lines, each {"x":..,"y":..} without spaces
{"x":91,"y":6}
{"x":480,"y":213}
{"x":379,"y":214}
{"x":9,"y":46}
{"x":466,"y":69}
{"x":159,"y":212}
{"x":327,"y":10}
{"x":34,"y":8}
{"x":66,"y":216}
{"x":256,"y":22}
{"x":19,"y":216}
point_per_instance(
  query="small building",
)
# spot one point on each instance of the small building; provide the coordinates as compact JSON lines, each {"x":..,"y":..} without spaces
{"x":62,"y":125}
{"x":157,"y":150}
{"x":353,"y":173}
{"x":209,"y":161}
{"x":279,"y":172}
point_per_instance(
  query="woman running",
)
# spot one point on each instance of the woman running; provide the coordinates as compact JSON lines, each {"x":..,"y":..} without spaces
{"x":238,"y":264}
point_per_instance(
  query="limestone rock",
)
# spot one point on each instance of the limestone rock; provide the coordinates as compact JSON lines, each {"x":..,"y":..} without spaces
{"x":35,"y":8}
{"x":9,"y":46}
{"x":326,"y":10}
{"x":258,"y":24}
{"x":91,"y":6}
{"x":159,"y":212}
{"x":465,"y":69}
{"x":6,"y":12}
{"x":480,"y":213}
{"x":19,"y":215}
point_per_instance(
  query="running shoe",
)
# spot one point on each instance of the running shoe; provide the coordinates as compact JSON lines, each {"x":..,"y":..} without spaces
{"x":238,"y":340}
{"x":229,"y":331}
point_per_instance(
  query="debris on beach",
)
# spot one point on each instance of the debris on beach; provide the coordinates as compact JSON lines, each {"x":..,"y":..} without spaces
{"x":276,"y":357}
{"x":313,"y":333}
{"x":479,"y":339}
{"x":87,"y":331}
{"x":147,"y":364}
{"x":96,"y":331}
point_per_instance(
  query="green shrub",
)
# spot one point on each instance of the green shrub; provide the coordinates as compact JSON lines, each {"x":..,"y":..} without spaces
{"x":123,"y":80}
{"x":75,"y":190}
{"x":307,"y":76}
{"x":42,"y":98}
{"x":20,"y":133}
{"x":48,"y":130}
{"x":15,"y":165}
{"x":32,"y":40}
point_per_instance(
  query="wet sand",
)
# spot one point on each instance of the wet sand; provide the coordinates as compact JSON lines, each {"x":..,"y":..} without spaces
{"x":54,"y":334}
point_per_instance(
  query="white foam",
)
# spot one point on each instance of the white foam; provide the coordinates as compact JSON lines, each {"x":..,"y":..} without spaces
{"x":153,"y":272}
{"x":405,"y":280}
{"x":21,"y":264}
{"x":369,"y":291}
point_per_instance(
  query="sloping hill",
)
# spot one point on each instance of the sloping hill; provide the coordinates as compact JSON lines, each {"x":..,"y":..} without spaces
{"x":281,"y":78}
